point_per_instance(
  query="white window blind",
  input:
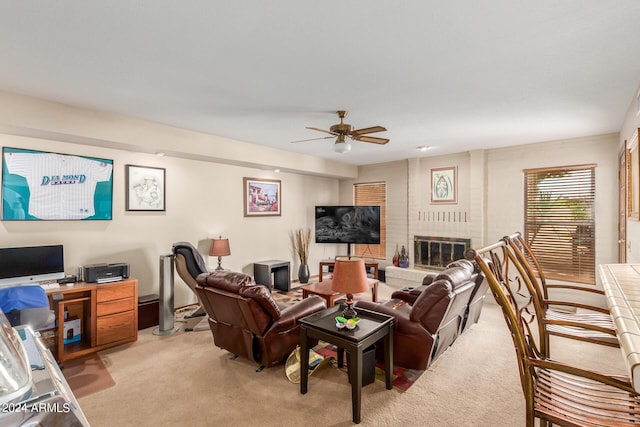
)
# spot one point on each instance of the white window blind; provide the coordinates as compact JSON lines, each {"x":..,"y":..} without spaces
{"x":559,"y":221}
{"x":372,"y":194}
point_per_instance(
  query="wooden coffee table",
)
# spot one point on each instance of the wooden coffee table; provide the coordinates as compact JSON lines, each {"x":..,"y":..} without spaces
{"x":323,"y":290}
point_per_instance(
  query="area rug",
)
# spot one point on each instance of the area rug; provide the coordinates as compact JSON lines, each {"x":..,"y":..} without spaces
{"x":87,"y":375}
{"x":294,"y":295}
{"x":401,"y":378}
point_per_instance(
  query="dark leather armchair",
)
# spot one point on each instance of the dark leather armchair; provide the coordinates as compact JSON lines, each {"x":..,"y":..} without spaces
{"x":246,"y":321}
{"x":427,"y":325}
{"x":189,"y":265}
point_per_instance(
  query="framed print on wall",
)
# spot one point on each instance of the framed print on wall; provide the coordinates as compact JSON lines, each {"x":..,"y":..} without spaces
{"x":145,"y":188}
{"x":444,"y":185}
{"x":262,"y":197}
{"x":41,"y":185}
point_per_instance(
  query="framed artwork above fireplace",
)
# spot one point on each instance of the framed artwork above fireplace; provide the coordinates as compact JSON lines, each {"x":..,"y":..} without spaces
{"x":444,"y":185}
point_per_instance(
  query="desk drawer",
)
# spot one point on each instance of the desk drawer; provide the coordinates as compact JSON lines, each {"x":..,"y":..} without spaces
{"x":116,"y":306}
{"x":111,"y":292}
{"x":115,"y":327}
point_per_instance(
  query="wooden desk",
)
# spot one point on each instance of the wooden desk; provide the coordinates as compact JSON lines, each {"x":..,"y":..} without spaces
{"x":107,"y":314}
{"x":621,"y":286}
{"x":332,"y":263}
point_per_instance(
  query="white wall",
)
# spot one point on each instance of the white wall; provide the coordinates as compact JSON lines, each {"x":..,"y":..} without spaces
{"x":204,"y":198}
{"x":505,"y":185}
{"x":490,"y":192}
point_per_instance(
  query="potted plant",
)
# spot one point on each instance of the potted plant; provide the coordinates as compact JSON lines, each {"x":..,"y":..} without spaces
{"x":302,"y":238}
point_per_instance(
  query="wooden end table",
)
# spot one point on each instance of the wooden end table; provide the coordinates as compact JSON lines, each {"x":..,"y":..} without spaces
{"x":332,"y":263}
{"x":371,"y":328}
{"x":323,"y":290}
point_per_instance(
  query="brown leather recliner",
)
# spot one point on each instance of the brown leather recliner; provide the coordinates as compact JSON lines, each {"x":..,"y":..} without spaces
{"x":427,"y":326}
{"x":476,"y":299}
{"x":245,"y":319}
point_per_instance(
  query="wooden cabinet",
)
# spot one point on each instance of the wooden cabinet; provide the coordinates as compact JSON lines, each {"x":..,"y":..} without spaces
{"x":116,"y":314}
{"x":97,"y":317}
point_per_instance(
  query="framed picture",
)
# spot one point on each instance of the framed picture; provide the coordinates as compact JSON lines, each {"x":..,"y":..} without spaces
{"x":262,"y":197}
{"x":41,"y":185}
{"x":444,"y":185}
{"x":145,"y":188}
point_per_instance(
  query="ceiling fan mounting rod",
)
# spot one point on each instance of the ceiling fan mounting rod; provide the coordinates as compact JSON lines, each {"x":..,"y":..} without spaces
{"x":342,"y":128}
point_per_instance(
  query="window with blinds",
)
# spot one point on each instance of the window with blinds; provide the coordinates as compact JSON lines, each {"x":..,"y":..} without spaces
{"x":559,"y":221}
{"x":372,"y":194}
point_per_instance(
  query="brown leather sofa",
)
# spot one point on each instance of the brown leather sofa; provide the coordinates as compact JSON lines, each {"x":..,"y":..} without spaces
{"x":246,"y":321}
{"x":427,"y":322}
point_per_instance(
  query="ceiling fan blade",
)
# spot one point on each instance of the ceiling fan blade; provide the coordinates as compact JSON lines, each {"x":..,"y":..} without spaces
{"x":371,"y":129}
{"x":373,"y":139}
{"x":312,"y":139}
{"x":322,"y":130}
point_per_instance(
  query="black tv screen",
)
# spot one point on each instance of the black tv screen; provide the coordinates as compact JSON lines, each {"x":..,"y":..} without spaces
{"x":348,"y":224}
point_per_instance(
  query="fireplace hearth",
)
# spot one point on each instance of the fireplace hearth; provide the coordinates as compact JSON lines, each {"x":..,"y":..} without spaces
{"x":432,"y":252}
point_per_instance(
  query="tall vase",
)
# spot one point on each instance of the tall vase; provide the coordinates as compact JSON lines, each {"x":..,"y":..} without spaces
{"x":396,"y":257}
{"x":303,"y":273}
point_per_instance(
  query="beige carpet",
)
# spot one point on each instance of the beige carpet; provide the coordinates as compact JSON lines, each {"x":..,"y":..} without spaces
{"x":87,"y":375}
{"x":184,"y":379}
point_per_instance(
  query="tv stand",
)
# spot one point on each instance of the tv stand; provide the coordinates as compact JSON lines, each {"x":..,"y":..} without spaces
{"x":105,"y":315}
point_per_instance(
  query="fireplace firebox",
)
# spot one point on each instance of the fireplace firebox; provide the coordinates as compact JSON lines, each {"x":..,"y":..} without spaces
{"x":436,"y":252}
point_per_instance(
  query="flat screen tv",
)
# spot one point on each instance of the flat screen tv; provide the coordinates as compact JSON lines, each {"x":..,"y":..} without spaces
{"x":348,"y":224}
{"x":31,"y":264}
{"x":38,"y":185}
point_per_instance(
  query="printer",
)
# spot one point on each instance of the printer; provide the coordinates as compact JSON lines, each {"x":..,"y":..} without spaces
{"x":105,"y":273}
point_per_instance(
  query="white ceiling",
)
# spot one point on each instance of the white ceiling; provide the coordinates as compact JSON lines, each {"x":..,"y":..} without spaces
{"x":453,"y":75}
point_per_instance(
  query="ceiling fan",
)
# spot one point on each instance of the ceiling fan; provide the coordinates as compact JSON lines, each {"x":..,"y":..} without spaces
{"x":344,"y":130}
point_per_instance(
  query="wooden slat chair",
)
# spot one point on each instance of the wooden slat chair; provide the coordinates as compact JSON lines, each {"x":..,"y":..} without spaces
{"x":556,"y":393}
{"x":595,"y":326}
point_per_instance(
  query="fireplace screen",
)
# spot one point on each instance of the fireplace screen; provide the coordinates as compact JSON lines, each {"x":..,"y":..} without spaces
{"x":437,"y":252}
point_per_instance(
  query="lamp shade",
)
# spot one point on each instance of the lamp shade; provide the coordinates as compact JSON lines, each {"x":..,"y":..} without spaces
{"x":220,"y":247}
{"x":349,"y":276}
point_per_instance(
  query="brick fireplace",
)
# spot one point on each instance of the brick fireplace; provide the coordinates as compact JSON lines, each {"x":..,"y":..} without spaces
{"x":432,"y":252}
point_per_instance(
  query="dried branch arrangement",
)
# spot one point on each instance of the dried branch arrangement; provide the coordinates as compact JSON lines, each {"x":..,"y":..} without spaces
{"x":302,"y":240}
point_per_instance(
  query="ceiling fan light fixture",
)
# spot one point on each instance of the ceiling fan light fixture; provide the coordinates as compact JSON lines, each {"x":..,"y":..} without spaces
{"x":342,"y":145}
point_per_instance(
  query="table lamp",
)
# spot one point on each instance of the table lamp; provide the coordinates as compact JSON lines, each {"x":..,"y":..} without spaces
{"x":349,"y":277}
{"x":219,"y":247}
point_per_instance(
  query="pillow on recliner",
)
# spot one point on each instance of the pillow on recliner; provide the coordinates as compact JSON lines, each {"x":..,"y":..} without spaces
{"x":262,"y":295}
{"x":456,"y":275}
{"x":230,"y":281}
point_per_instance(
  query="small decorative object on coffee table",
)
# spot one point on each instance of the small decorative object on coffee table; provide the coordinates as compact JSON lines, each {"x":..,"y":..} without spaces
{"x":349,"y":277}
